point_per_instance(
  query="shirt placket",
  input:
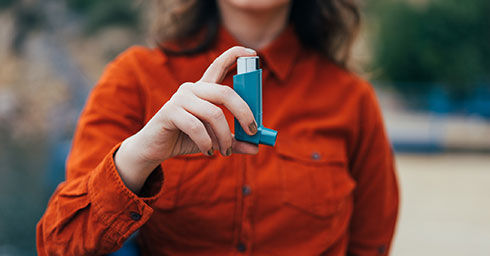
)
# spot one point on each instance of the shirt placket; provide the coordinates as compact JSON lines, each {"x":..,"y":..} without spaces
{"x":245,"y":199}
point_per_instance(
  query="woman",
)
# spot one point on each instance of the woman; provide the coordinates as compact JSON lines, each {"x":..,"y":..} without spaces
{"x":154,"y":151}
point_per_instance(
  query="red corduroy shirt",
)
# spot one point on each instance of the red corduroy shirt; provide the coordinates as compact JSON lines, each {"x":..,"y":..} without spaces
{"x":328,"y":187}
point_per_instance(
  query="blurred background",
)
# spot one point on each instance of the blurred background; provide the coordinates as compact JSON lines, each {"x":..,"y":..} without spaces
{"x":429,"y":61}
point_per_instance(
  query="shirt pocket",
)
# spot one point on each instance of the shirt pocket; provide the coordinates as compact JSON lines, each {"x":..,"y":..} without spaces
{"x":195,"y":179}
{"x":314,"y":175}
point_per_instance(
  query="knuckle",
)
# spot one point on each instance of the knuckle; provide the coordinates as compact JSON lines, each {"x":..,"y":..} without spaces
{"x":194,"y":127}
{"x":183,"y":92}
{"x":215,"y":113}
{"x":176,"y":99}
{"x":235,"y":48}
{"x":185,"y":86}
{"x":170,"y":106}
{"x":227,"y":92}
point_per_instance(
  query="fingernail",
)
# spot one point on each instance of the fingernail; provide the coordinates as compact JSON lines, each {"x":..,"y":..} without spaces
{"x":228,"y":151}
{"x":253,"y":127}
{"x":251,"y":51}
{"x":210,"y":152}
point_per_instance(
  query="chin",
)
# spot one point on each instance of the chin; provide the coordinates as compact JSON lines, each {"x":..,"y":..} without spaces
{"x":256,"y":5}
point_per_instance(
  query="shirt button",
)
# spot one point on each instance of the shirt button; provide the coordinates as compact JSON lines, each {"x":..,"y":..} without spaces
{"x":246,"y":190}
{"x":135,"y":216}
{"x":241,"y":247}
{"x":381,"y":250}
{"x":315,"y":156}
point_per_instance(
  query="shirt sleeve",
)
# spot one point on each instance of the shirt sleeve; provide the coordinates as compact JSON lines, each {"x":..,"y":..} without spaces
{"x":93,"y":212}
{"x":376,"y":194}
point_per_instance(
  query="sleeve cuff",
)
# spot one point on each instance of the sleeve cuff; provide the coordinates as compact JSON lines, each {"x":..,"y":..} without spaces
{"x":115,"y":205}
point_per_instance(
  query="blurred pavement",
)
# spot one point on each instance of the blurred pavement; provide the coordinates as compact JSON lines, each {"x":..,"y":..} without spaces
{"x":445,"y":205}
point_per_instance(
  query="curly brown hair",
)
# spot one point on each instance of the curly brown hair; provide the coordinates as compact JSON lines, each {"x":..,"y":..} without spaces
{"x":327,"y":26}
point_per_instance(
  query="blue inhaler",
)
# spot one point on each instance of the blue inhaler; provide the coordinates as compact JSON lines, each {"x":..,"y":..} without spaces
{"x":248,"y":84}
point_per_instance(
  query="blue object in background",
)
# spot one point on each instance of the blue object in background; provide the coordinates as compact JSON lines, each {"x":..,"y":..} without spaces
{"x":129,"y":248}
{"x":479,"y":103}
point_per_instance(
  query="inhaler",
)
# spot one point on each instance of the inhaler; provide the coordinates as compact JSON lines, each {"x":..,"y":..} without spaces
{"x":248,"y":84}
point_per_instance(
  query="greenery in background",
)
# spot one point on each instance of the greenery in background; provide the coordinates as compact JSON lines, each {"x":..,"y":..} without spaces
{"x":442,"y":43}
{"x":98,"y":14}
{"x":6,"y":3}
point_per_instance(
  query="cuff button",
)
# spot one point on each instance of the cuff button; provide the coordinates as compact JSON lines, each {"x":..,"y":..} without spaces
{"x":135,"y":216}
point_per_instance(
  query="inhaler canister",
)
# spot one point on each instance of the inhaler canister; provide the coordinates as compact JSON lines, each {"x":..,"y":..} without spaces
{"x":248,"y":84}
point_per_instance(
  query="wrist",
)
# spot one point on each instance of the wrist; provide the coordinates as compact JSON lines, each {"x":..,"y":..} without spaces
{"x":132,"y":168}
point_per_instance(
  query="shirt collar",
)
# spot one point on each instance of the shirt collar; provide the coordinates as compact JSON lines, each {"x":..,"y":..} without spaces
{"x":278,"y":56}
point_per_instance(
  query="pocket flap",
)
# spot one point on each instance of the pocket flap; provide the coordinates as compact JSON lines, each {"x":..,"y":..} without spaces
{"x":312,"y":151}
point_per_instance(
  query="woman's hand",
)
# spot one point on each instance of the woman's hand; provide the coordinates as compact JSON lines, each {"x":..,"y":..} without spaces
{"x":189,"y":122}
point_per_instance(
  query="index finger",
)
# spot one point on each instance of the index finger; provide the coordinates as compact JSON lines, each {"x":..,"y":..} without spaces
{"x":225,"y":95}
{"x":218,"y":69}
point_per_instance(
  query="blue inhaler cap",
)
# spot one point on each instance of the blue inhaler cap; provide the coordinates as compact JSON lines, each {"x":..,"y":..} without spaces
{"x":248,"y":84}
{"x":267,"y":136}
